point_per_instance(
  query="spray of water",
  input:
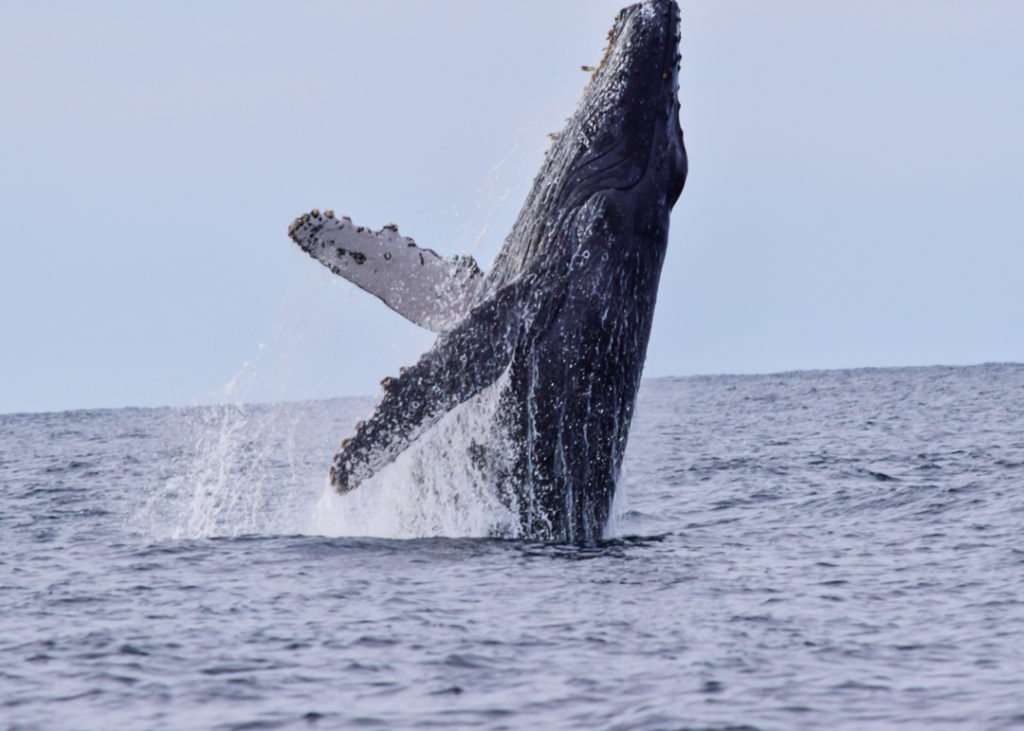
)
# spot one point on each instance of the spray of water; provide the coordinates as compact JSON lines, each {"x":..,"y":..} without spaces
{"x":238,"y":472}
{"x":434,"y":488}
{"x":261,"y":470}
{"x":237,"y":469}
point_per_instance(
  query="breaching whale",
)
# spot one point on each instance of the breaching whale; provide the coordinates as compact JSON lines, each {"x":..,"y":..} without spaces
{"x":556,"y":330}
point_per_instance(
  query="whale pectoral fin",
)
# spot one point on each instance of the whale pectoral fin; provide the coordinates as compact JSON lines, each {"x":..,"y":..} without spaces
{"x":463,"y":362}
{"x":429,"y":290}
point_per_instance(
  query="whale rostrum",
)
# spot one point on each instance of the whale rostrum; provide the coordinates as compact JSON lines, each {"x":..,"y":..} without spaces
{"x":556,"y":330}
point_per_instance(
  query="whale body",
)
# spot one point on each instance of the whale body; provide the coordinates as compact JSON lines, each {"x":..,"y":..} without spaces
{"x":555,"y":333}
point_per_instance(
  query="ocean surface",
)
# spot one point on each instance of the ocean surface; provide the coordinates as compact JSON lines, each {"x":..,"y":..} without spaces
{"x":836,"y":550}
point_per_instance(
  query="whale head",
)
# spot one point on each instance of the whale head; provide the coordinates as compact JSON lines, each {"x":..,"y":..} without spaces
{"x":620,"y":156}
{"x":626,"y":128}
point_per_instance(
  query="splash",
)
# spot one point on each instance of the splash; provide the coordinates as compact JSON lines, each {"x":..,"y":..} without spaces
{"x":238,"y":471}
{"x":456,"y":480}
{"x":262,"y":470}
{"x":435,"y":487}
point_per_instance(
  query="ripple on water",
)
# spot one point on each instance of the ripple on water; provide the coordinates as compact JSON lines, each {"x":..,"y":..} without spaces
{"x":805,"y":550}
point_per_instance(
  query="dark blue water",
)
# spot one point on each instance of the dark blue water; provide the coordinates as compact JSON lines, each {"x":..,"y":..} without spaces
{"x":829,"y":549}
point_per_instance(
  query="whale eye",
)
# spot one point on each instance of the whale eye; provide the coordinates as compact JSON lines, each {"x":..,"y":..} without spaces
{"x":586,"y":253}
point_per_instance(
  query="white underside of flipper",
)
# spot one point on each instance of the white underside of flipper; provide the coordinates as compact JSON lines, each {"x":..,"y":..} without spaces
{"x":417,"y":283}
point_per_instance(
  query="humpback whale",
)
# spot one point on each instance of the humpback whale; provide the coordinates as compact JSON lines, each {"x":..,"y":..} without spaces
{"x":555,"y":331}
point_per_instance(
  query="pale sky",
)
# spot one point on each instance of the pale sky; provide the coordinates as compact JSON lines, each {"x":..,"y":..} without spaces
{"x":855,"y":197}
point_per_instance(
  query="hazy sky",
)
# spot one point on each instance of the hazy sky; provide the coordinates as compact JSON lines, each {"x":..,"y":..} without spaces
{"x":855,"y":198}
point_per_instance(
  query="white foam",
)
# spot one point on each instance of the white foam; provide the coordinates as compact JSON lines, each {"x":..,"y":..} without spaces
{"x":434,"y":488}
